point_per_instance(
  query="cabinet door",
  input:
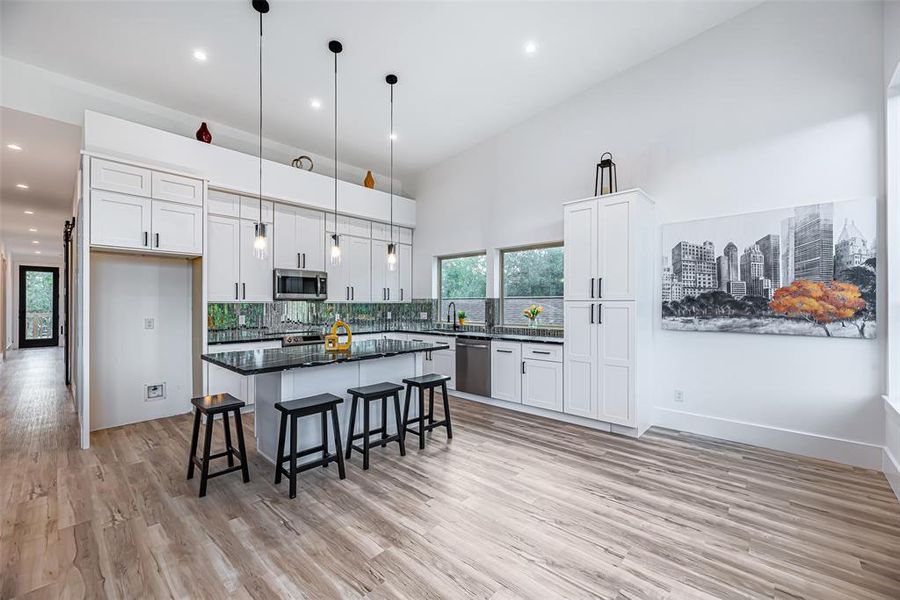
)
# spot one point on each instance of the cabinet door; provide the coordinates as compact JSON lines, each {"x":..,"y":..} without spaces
{"x":338,"y":282}
{"x":542,"y":384}
{"x":256,"y":274}
{"x":286,"y":246}
{"x":223,"y":258}
{"x":359,"y":273}
{"x":177,"y":227}
{"x":175,"y":188}
{"x":118,"y":177}
{"x":580,"y":359}
{"x":250,"y":209}
{"x":506,"y":371}
{"x":379,"y":271}
{"x":120,"y":220}
{"x":404,"y":269}
{"x":311,"y":239}
{"x":615,"y":252}
{"x":580,"y":251}
{"x":223,"y":203}
{"x":444,"y":362}
{"x":616,"y":360}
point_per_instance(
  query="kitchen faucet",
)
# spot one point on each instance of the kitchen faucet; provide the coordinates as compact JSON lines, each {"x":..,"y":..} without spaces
{"x":452,"y":312}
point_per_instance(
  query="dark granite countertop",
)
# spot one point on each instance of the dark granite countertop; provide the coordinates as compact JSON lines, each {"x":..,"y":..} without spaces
{"x":237,"y":336}
{"x":254,"y":362}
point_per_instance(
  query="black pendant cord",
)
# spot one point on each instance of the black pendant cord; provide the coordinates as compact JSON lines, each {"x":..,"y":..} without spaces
{"x":335,"y":142}
{"x":260,"y":113}
{"x":392,"y":164}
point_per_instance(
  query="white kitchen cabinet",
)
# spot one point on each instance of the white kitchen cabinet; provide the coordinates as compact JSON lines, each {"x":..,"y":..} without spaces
{"x":506,"y":371}
{"x":581,"y":359}
{"x":300,"y":243}
{"x":382,"y":231}
{"x":120,"y":220}
{"x":385,"y":282}
{"x":349,"y":225}
{"x":223,"y":203}
{"x":176,"y":188}
{"x":610,"y":249}
{"x":351,"y":280}
{"x":256,"y":275}
{"x":120,"y":177}
{"x":177,"y":227}
{"x":250,"y":209}
{"x":439,"y":361}
{"x":223,"y":258}
{"x":404,"y":267}
{"x":338,"y":286}
{"x":542,"y":384}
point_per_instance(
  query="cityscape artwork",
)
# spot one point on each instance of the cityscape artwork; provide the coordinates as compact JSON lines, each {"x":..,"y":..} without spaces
{"x":807,"y":270}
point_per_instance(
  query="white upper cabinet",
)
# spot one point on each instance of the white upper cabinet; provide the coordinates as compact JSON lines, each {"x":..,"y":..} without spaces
{"x":506,"y":371}
{"x":300,"y":243}
{"x":223,"y":258}
{"x":385,"y":282}
{"x":176,"y":188}
{"x":223,"y":203}
{"x":359,"y":274}
{"x":120,"y":220}
{"x":256,"y":274}
{"x":250,"y":209}
{"x":349,"y":225}
{"x":382,"y":231}
{"x":119,"y":177}
{"x":177,"y":227}
{"x":338,"y":286}
{"x":615,"y":268}
{"x":404,"y":267}
{"x":580,"y":250}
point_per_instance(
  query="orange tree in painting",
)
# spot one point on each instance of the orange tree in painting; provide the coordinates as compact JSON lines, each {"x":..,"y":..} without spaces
{"x":817,"y":302}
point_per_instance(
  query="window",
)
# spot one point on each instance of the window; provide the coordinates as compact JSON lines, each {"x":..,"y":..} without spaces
{"x":532,"y":276}
{"x":464,"y":282}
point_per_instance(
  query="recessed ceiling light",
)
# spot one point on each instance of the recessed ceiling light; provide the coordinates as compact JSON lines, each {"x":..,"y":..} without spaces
{"x":200,"y":55}
{"x":35,"y":242}
{"x":37,"y":251}
{"x":315,"y":103}
{"x":29,"y":212}
{"x":15,"y":147}
{"x":22,"y":186}
{"x":393,"y":136}
{"x":32,"y":230}
{"x":530,"y":47}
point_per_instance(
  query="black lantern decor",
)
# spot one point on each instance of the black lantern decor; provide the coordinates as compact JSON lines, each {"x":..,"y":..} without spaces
{"x":605,"y":181}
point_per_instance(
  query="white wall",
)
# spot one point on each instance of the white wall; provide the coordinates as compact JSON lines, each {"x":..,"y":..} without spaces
{"x":778,"y":107}
{"x":124,"y":356}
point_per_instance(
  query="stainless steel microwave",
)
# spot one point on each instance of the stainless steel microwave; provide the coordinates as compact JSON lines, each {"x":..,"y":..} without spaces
{"x":299,"y":284}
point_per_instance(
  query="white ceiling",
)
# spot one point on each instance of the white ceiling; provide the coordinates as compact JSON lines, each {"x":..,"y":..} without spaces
{"x":463,"y":73}
{"x":48,"y":165}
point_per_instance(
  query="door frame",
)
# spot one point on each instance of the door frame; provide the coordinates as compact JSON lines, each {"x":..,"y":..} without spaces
{"x":52,"y":341}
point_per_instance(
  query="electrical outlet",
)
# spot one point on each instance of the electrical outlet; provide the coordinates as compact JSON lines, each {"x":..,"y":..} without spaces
{"x":154,"y":391}
{"x":149,"y":323}
{"x":389,"y":315}
{"x":423,"y":316}
{"x":242,"y":320}
{"x":679,"y":396}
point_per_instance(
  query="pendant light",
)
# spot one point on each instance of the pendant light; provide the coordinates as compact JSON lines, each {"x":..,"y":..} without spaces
{"x":260,"y":241}
{"x":392,"y":247}
{"x":335,"y":47}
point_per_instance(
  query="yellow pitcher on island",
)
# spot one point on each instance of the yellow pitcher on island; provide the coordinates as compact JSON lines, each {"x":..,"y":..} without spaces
{"x":332,"y":340}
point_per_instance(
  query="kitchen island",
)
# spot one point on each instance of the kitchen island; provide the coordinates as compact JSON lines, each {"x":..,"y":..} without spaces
{"x":289,"y":373}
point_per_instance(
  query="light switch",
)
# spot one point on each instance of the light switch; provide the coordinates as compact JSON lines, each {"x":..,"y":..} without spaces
{"x":149,"y":323}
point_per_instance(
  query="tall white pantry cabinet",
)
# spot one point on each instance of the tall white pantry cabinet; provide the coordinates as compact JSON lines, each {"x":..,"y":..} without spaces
{"x":610,"y":248}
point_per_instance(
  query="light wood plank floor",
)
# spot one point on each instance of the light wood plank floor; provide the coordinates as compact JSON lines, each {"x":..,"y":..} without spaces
{"x":513,"y":507}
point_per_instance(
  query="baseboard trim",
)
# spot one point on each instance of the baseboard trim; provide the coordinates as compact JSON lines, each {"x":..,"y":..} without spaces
{"x":890,"y":466}
{"x":858,"y":454}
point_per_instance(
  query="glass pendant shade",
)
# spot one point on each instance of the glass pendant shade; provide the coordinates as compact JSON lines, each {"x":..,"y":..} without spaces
{"x":335,"y":251}
{"x":392,"y":257}
{"x":260,"y":242}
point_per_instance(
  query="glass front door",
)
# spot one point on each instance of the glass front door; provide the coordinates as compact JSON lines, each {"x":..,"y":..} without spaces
{"x":38,"y":306}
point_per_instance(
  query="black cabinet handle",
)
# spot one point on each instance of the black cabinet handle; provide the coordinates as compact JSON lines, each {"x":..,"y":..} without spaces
{"x":299,"y":261}
{"x":600,"y":313}
{"x":505,"y":351}
{"x":146,"y":239}
{"x":389,"y":294}
{"x":401,"y":294}
{"x":348,"y":293}
{"x":592,"y":287}
{"x":236,"y":295}
{"x":600,"y":288}
{"x":592,"y":314}
{"x":157,"y":240}
{"x":304,"y":260}
{"x":523,"y":367}
{"x":245,"y":290}
{"x":352,"y":292}
{"x":539,"y":352}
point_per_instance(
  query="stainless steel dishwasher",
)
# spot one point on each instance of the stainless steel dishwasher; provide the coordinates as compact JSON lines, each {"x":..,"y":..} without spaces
{"x":473,"y":366}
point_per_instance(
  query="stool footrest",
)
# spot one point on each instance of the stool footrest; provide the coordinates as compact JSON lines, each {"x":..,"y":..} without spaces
{"x":377,"y":443}
{"x":306,"y":452}
{"x":372,"y":432}
{"x":427,"y":428}
{"x":225,"y":470}
{"x":307,"y":466}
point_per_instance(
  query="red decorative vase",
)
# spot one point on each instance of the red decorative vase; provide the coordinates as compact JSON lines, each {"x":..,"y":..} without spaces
{"x":203,"y":133}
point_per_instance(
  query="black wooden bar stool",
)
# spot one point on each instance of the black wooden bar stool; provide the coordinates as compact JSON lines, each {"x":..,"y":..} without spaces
{"x":320,"y":404}
{"x":211,"y":406}
{"x":378,"y":391}
{"x":427,"y":383}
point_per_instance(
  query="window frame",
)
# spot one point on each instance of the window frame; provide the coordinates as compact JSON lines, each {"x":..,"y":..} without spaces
{"x":440,"y":280}
{"x":502,"y":276}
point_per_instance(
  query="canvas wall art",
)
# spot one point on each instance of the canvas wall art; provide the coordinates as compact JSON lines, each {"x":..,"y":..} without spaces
{"x":807,"y":270}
